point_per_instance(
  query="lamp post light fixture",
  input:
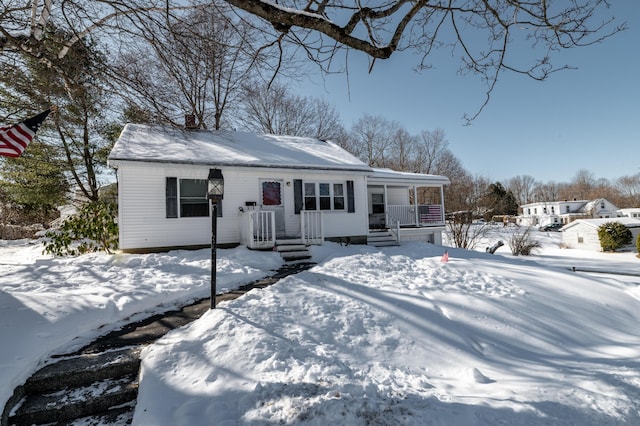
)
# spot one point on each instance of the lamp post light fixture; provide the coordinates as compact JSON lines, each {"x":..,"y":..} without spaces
{"x":215,"y":193}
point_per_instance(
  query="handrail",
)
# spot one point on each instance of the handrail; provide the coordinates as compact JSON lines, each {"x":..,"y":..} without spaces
{"x":390,"y":220}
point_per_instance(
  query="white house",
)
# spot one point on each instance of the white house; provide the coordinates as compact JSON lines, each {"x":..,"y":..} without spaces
{"x":631,"y":212}
{"x":275,"y":188}
{"x":548,"y":212}
{"x":583,"y":233}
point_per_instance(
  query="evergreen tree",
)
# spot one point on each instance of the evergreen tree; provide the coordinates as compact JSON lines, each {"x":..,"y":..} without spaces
{"x":80,"y":132}
{"x":34,"y":183}
{"x":499,"y":201}
{"x":614,"y":235}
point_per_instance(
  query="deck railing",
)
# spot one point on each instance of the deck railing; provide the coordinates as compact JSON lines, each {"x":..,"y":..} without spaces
{"x":427,"y":214}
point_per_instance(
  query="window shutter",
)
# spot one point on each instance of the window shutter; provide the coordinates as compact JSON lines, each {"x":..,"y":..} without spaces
{"x":171,"y":197}
{"x":297,"y":195}
{"x":351,"y":202}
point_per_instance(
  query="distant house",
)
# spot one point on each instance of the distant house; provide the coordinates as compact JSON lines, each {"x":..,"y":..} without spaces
{"x":276,"y":188}
{"x":564,"y":212}
{"x":583,"y":233}
{"x":632,"y":212}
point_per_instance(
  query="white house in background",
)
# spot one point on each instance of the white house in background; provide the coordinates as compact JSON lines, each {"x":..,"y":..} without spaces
{"x":275,"y":188}
{"x":632,"y":212}
{"x":583,"y":233}
{"x":548,"y":212}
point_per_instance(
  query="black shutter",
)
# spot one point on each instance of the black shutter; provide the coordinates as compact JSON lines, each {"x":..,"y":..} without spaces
{"x":171,"y":197}
{"x":351,"y":202}
{"x":297,"y":195}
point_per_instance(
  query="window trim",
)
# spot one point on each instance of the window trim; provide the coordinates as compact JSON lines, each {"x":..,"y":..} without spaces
{"x":320,"y":197}
{"x":173,"y":199}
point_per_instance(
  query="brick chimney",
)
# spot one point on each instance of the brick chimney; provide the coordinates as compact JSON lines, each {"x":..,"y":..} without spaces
{"x":190,"y":121}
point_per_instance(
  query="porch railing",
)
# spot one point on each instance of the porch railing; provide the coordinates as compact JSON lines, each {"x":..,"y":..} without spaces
{"x":259,"y":229}
{"x":427,"y":214}
{"x":312,"y":231}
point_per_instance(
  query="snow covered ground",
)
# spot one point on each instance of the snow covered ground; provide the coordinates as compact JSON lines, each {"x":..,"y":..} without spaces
{"x":368,"y":336}
{"x":57,"y":305}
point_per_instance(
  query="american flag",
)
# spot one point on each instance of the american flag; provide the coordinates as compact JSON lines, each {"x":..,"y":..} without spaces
{"x":14,"y":139}
{"x":431,"y":213}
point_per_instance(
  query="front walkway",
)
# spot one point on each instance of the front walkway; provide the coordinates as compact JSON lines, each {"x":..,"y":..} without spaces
{"x":99,"y":383}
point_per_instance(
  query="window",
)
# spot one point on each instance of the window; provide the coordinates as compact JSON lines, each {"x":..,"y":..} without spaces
{"x":535,"y":210}
{"x":310,"y":196}
{"x":602,"y":205}
{"x":553,"y":209}
{"x":544,"y":210}
{"x":567,"y":209}
{"x":271,"y":194}
{"x":338,"y":196}
{"x":324,"y":196}
{"x":528,"y":211}
{"x":193,"y":198}
{"x":377,"y":203}
{"x":580,"y":238}
{"x":187,"y":198}
{"x":171,"y":195}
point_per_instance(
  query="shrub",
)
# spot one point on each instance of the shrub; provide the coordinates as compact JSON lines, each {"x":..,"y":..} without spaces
{"x":522,"y":242}
{"x":638,"y":245}
{"x":614,"y":235}
{"x":93,"y":229}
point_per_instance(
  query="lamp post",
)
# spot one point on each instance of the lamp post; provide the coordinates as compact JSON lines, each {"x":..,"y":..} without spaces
{"x":215,"y":192}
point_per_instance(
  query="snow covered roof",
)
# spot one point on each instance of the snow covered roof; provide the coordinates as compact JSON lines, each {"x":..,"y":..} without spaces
{"x":152,"y":143}
{"x":388,"y":176}
{"x":629,"y":222}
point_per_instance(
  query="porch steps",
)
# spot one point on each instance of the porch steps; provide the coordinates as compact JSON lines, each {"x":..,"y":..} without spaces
{"x":293,"y":250}
{"x":383,"y":238}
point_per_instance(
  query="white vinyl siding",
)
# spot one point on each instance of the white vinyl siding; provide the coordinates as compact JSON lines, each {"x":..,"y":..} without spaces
{"x":142,"y":204}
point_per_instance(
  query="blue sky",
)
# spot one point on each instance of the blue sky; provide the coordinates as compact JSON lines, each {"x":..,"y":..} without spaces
{"x":585,"y":118}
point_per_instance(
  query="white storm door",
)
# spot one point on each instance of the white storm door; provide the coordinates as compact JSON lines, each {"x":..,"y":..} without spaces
{"x":271,"y":199}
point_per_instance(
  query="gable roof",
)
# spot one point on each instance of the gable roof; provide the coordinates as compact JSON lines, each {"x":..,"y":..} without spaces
{"x":152,"y":143}
{"x":629,"y":222}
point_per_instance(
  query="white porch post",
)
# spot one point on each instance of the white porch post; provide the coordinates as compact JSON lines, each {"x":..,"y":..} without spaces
{"x":415,"y":204}
{"x":442,"y":201}
{"x":386,"y":207}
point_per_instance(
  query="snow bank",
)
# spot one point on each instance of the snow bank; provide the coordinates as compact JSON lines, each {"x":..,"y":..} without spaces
{"x":396,"y":336}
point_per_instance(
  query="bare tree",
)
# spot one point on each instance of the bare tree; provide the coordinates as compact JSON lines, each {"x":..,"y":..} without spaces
{"x":629,"y":188}
{"x":381,"y":28}
{"x":403,"y":152}
{"x":192,"y":63}
{"x":372,"y":139}
{"x":431,"y":149}
{"x":274,"y":109}
{"x":23,"y":25}
{"x":522,"y":188}
{"x":522,"y":242}
{"x":549,"y":191}
{"x":463,"y":232}
{"x":581,"y":186}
